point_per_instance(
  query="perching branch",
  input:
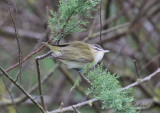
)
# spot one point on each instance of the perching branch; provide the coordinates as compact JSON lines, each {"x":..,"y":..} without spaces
{"x":88,"y":102}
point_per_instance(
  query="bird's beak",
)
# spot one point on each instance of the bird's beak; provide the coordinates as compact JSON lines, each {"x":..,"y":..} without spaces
{"x":105,"y":51}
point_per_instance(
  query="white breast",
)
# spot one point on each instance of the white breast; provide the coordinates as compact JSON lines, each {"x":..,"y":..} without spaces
{"x":98,"y":57}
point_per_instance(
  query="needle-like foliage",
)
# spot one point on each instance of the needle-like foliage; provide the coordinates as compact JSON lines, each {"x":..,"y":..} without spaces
{"x":70,"y":12}
{"x":106,"y":88}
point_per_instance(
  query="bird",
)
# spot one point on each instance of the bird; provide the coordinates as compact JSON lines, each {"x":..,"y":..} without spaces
{"x":77,"y":54}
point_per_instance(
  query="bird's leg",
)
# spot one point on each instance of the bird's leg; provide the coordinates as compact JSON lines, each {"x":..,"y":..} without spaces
{"x":82,"y":75}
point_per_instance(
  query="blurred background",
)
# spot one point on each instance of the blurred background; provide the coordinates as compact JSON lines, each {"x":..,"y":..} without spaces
{"x":130,"y":30}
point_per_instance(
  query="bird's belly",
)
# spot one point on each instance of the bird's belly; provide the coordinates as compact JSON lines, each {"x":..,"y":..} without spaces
{"x":72,"y":64}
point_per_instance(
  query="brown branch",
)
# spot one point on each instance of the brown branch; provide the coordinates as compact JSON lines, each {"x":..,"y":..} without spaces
{"x":26,"y":58}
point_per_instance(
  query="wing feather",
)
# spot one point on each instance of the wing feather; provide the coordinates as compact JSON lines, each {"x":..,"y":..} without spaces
{"x":78,"y":52}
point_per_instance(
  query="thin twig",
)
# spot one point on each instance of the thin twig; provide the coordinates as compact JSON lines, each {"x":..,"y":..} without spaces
{"x":18,"y":43}
{"x":62,"y":30}
{"x":61,"y":36}
{"x":142,"y":80}
{"x":22,"y":89}
{"x":23,"y":65}
{"x":39,"y":77}
{"x":39,"y":85}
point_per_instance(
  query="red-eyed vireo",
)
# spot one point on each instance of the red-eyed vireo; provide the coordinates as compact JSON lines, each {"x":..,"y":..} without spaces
{"x":77,"y":54}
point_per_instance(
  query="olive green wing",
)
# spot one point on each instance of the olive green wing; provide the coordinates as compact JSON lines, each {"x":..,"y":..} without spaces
{"x":77,"y":55}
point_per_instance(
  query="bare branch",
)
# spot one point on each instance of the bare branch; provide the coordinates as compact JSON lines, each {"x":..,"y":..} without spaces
{"x":139,"y":81}
{"x":18,"y":43}
{"x":70,"y":108}
{"x":39,"y":76}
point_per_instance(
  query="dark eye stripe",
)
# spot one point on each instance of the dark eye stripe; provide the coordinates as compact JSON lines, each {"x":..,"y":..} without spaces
{"x":97,"y":47}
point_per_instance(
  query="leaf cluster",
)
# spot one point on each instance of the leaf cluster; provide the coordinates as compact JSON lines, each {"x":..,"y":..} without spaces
{"x":69,"y":14}
{"x":106,"y":88}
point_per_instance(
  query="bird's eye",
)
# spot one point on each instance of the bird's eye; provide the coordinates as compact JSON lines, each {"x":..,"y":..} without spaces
{"x":97,"y":47}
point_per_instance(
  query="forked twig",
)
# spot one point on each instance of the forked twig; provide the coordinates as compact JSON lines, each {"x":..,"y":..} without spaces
{"x":39,"y":77}
{"x":22,"y":89}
